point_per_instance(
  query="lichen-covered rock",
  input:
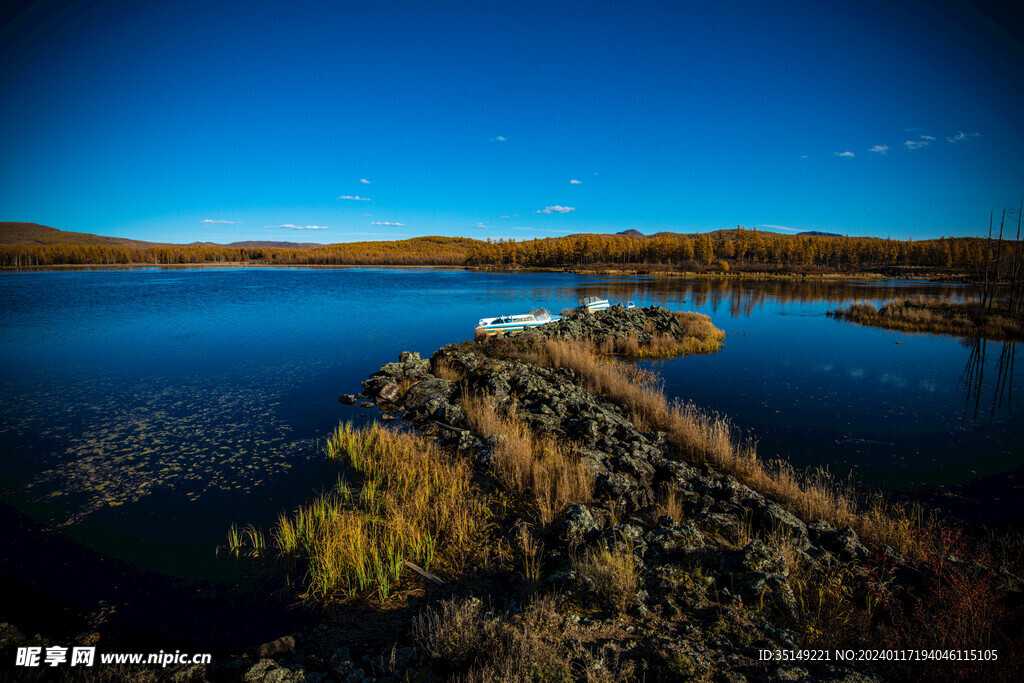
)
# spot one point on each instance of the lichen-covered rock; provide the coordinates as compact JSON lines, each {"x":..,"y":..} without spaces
{"x":675,"y":541}
{"x":577,"y":524}
{"x":845,"y":544}
{"x":428,"y":396}
{"x":269,"y":671}
{"x":776,"y":519}
{"x":282,"y":645}
{"x":756,"y":558}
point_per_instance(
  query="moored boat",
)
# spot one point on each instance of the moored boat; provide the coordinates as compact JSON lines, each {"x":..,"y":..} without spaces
{"x":513,"y":324}
{"x":594,"y":303}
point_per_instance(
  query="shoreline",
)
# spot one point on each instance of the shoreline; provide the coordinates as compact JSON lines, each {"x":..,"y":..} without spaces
{"x":938,"y":278}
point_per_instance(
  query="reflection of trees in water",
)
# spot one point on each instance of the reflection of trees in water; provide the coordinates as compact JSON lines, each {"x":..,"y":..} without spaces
{"x":973,"y":379}
{"x":742,"y":296}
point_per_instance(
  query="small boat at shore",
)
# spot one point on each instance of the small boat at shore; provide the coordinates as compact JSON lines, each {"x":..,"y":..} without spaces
{"x":594,"y":303}
{"x":513,"y":324}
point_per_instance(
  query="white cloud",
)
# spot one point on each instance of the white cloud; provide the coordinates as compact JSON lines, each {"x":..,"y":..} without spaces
{"x":575,"y":182}
{"x":879,"y":149}
{"x":556,"y":209}
{"x":504,"y":216}
{"x":923,"y":141}
{"x":355,"y":197}
{"x":961,"y":136}
{"x":779,"y":227}
{"x":364,"y":181}
{"x":499,"y":138}
{"x":481,"y":225}
{"x":847,"y":154}
{"x":289,"y":226}
{"x":210,"y":220}
{"x":366,"y":215}
{"x":387,"y":223}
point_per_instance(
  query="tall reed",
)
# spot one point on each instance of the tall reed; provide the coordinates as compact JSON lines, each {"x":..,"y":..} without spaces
{"x":414,"y":502}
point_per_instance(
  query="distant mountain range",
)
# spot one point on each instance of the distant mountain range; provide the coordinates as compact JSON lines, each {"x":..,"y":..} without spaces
{"x":22,"y":234}
{"x":281,"y":245}
{"x":810,"y":233}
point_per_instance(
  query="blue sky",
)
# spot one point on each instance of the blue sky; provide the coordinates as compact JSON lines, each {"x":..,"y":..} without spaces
{"x":209,"y":121}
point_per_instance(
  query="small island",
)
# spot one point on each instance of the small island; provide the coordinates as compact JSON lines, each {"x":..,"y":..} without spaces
{"x":971,"y":318}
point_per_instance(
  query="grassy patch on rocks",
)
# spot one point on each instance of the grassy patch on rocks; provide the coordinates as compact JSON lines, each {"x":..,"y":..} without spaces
{"x":637,"y":333}
{"x":538,"y":470}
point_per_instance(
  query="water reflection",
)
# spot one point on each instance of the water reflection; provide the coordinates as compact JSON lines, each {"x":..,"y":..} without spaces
{"x":742,"y":297}
{"x":972,"y":379}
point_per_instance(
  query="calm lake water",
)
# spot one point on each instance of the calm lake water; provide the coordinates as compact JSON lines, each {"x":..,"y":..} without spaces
{"x":144,"y":411}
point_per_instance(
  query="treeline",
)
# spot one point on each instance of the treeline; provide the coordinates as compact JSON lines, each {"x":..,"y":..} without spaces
{"x":749,"y":249}
{"x":420,"y":251}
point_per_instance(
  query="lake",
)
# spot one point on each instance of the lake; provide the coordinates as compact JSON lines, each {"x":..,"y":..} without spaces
{"x":144,"y":411}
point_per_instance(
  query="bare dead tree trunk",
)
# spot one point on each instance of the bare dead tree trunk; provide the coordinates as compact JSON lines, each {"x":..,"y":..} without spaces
{"x":988,"y":256}
{"x":999,"y":254}
{"x":1017,"y":272}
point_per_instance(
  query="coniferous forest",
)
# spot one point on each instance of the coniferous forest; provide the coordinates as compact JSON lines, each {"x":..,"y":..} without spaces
{"x":736,"y":250}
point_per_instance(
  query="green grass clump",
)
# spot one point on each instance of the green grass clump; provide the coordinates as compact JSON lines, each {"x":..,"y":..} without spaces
{"x":414,"y":503}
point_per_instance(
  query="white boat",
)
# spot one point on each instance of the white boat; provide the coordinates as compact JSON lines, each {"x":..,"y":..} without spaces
{"x":594,"y":303}
{"x":513,"y":324}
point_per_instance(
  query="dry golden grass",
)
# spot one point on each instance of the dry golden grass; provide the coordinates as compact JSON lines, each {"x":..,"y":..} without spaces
{"x":700,"y":337}
{"x":415,"y":502}
{"x":611,"y":575}
{"x":468,"y":644}
{"x":538,"y":470}
{"x":700,"y":437}
{"x":531,"y":551}
{"x":443,"y":370}
{"x":671,"y":505}
{"x":969,"y":318}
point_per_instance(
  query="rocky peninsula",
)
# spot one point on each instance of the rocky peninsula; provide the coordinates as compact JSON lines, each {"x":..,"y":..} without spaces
{"x":627,"y":538}
{"x":602,"y":533}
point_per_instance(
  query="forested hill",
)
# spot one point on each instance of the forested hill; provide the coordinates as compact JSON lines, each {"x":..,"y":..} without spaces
{"x":23,"y":234}
{"x":750,"y":250}
{"x":28,"y":244}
